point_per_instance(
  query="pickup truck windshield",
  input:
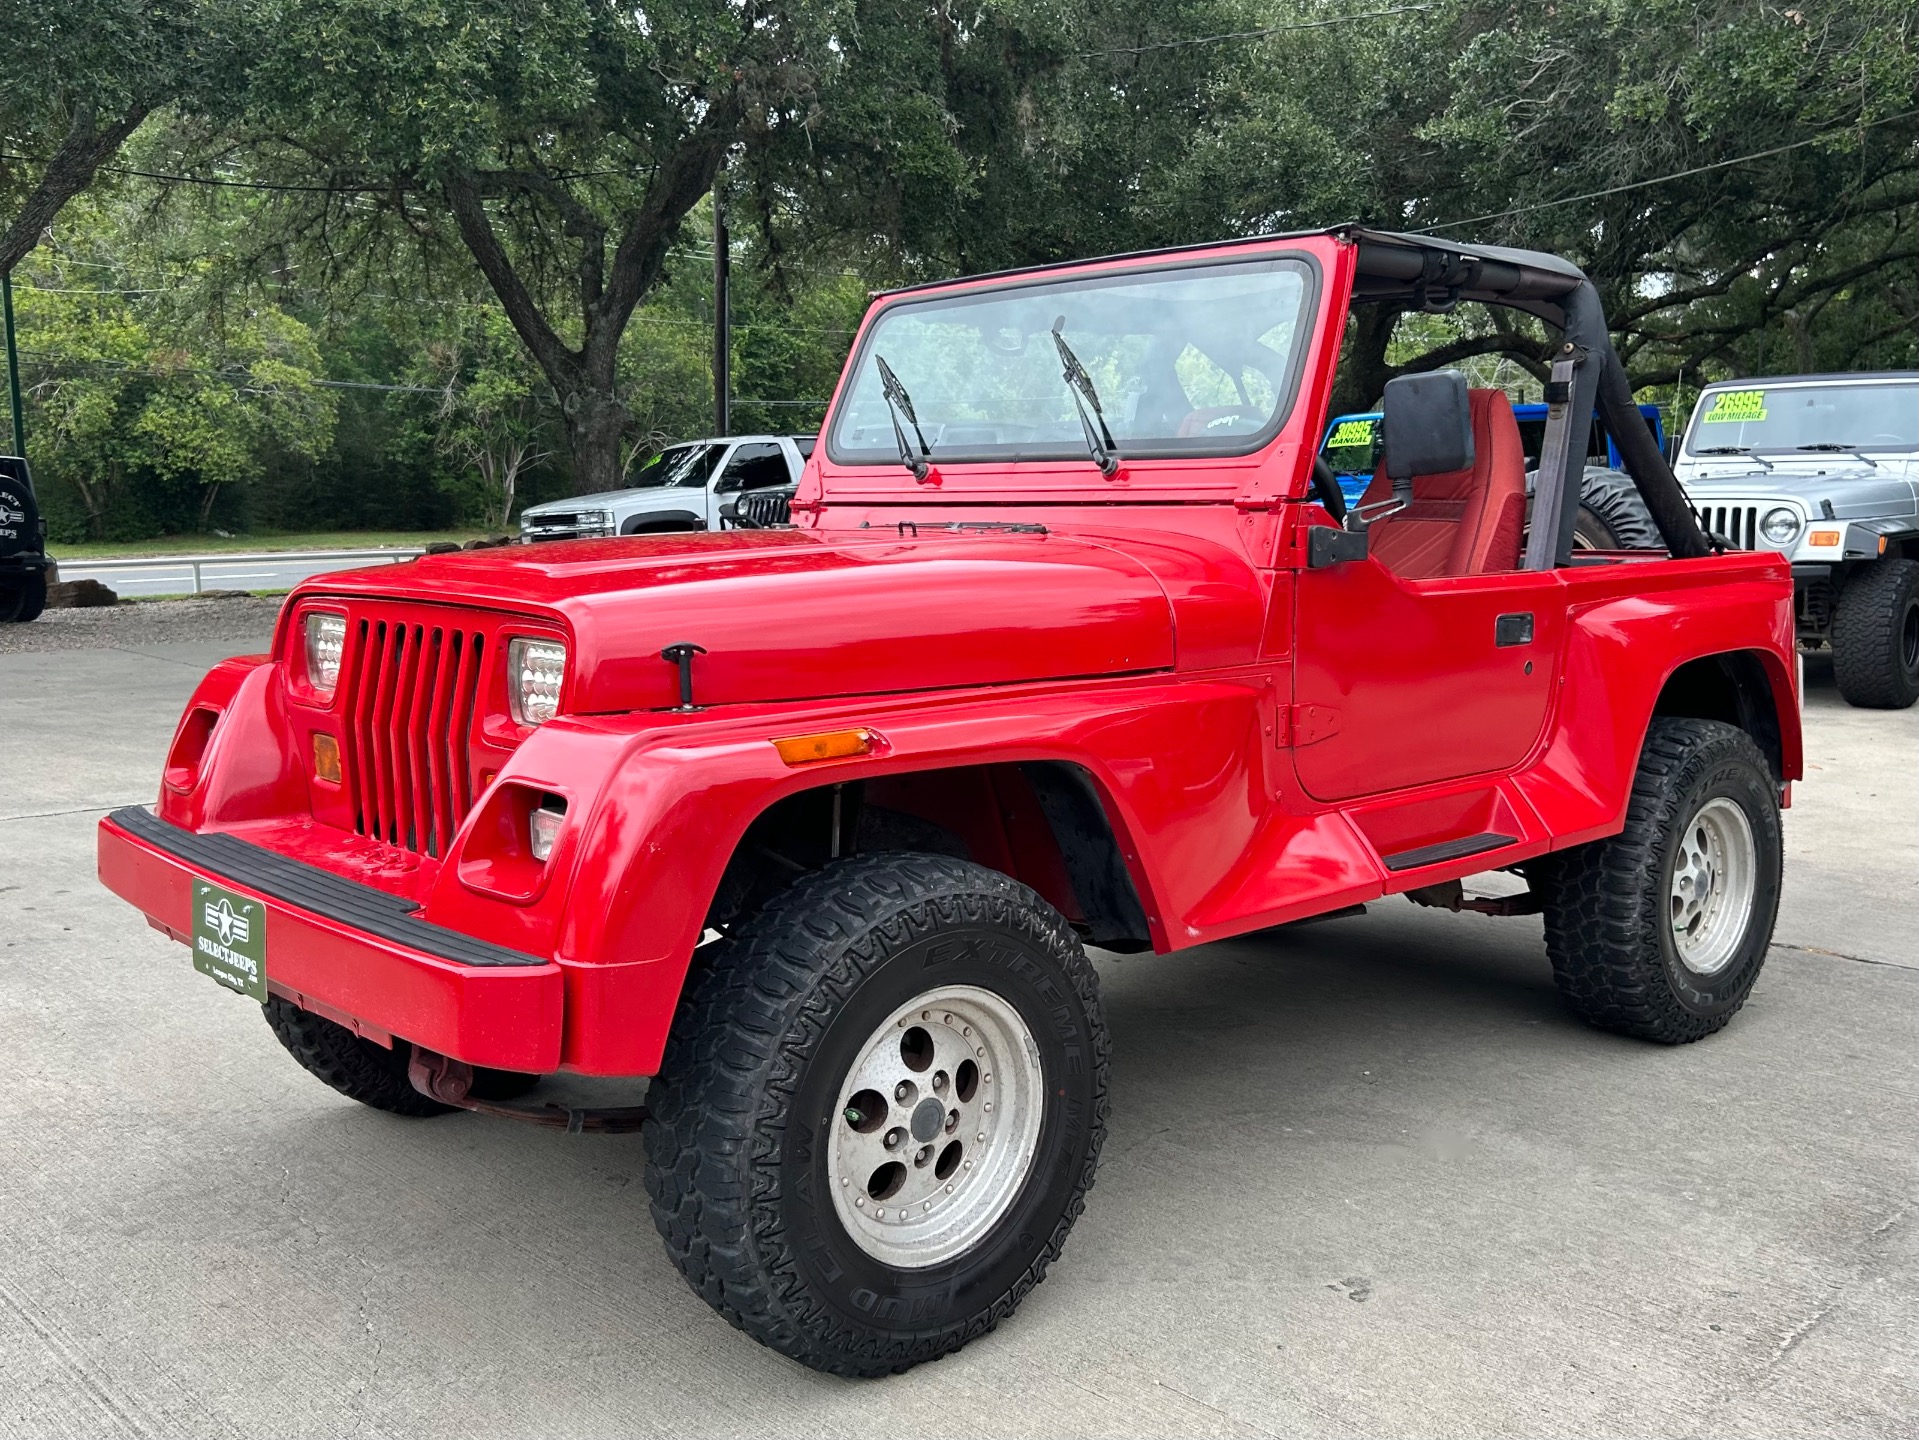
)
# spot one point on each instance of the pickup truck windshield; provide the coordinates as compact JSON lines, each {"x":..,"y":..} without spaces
{"x":1812,"y":418}
{"x":1197,"y":360}
{"x":677,"y":465}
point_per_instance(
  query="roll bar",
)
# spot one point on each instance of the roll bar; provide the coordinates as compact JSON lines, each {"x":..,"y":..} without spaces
{"x":1431,"y":275}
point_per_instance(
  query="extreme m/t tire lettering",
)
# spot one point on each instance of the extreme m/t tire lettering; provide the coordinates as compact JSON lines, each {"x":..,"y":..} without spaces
{"x":880,"y":1110}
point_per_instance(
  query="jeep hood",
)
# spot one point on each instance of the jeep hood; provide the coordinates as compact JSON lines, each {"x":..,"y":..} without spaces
{"x":1857,"y":492}
{"x":785,"y":615}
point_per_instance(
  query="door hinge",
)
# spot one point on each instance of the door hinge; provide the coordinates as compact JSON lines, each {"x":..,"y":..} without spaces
{"x":1301,"y":725}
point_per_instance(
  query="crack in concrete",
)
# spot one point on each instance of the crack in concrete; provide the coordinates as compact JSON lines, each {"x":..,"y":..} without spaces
{"x":1840,"y":955}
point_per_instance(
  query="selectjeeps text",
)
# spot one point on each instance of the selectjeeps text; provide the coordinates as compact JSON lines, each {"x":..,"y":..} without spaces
{"x":1073,"y":642}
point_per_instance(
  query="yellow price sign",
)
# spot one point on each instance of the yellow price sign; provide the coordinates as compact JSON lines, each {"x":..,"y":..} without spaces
{"x":1351,"y":432}
{"x":1734,"y":407}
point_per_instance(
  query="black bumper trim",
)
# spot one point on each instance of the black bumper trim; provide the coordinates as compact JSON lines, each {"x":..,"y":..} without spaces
{"x":334,"y":897}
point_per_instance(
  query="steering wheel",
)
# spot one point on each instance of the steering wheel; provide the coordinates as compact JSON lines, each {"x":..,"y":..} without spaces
{"x":1326,"y":487}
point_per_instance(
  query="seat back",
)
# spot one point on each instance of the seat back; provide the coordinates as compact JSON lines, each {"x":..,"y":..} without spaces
{"x":1466,"y":522}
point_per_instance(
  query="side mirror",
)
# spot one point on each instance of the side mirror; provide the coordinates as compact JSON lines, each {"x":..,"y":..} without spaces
{"x":1328,"y":545}
{"x":1427,"y":426}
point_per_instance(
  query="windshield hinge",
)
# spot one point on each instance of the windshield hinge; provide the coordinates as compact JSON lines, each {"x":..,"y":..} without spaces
{"x":1302,"y":725}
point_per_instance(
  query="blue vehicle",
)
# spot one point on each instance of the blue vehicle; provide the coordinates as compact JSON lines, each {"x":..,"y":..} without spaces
{"x":1611,"y":515}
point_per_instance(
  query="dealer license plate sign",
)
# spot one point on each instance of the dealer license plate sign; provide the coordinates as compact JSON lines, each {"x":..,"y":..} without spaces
{"x":230,"y":939}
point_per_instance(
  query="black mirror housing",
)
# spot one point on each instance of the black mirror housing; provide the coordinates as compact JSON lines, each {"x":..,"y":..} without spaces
{"x":1427,"y":426}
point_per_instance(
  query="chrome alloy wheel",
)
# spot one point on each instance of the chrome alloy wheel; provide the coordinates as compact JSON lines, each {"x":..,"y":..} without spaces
{"x":935,"y":1127}
{"x":1714,"y":875}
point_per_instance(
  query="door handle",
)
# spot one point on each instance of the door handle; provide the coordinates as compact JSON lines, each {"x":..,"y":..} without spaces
{"x":1513,"y":630}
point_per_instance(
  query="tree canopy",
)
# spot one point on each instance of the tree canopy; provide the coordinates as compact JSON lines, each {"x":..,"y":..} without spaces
{"x":424,"y":185}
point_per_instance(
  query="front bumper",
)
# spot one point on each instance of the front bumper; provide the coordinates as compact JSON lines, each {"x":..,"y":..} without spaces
{"x":346,"y":950}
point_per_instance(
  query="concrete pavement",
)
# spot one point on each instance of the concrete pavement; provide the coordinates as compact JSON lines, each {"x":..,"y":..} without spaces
{"x":1365,"y":1177}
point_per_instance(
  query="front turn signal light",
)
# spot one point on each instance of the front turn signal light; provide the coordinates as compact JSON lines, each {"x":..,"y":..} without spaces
{"x":1823,"y":538}
{"x":832,"y":745}
{"x":326,"y":758}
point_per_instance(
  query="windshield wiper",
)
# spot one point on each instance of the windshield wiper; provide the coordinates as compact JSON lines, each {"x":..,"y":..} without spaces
{"x":1099,"y":442}
{"x":899,"y":403}
{"x":1745,"y":450}
{"x":1833,"y":447}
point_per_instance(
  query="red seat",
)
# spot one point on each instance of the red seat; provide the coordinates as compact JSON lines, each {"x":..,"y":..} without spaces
{"x":1467,"y":522}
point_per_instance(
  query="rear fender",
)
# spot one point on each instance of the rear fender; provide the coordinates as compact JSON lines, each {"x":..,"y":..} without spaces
{"x":1622,"y":654}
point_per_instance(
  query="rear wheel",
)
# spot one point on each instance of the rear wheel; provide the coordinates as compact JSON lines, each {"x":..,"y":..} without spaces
{"x":1875,"y":636}
{"x":23,"y":597}
{"x":1660,"y":931}
{"x":879,"y":1111}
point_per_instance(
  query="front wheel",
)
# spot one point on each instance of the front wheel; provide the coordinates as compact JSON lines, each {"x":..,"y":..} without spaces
{"x":1875,"y":636}
{"x":879,"y":1112}
{"x":1660,"y":931}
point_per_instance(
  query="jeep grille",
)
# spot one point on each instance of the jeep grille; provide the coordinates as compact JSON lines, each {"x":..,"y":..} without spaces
{"x":763,"y":509}
{"x":1738,"y":523}
{"x":411,"y":692}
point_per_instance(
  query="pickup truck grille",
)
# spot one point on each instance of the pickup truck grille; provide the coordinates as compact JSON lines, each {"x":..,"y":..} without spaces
{"x":1738,"y":523}
{"x":409,"y":715}
{"x":566,"y":525}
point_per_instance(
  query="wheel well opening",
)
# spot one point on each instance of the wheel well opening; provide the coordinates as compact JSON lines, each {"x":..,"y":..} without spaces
{"x":1732,"y":688}
{"x":1041,"y":822}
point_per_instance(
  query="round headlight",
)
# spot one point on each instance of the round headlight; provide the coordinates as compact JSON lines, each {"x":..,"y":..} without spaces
{"x":1780,"y":527}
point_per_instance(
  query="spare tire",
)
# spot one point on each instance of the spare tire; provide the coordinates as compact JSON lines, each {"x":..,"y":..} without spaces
{"x":1612,"y":516}
{"x":23,"y":584}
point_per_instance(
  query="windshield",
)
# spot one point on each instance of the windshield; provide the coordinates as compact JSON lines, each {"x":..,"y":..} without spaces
{"x":685,"y":465}
{"x":1192,"y":361}
{"x":1811,"y":418}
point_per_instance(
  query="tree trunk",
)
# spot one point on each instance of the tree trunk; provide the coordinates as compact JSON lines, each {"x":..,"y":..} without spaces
{"x":1363,"y":371}
{"x":594,"y":424}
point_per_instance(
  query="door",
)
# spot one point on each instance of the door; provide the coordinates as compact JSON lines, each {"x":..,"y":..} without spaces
{"x":1417,"y":681}
{"x":755,"y":465}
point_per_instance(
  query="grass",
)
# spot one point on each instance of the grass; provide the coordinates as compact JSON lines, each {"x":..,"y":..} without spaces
{"x":255,"y":544}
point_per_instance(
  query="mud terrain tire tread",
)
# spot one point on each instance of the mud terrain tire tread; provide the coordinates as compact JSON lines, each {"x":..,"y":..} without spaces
{"x":754,"y":1010}
{"x":1610,"y":498}
{"x":1604,"y":918}
{"x":357,"y":1067}
{"x":1866,"y":626}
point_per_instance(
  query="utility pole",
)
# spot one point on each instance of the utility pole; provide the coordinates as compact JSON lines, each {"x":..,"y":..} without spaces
{"x":13,"y":365}
{"x":722,"y":320}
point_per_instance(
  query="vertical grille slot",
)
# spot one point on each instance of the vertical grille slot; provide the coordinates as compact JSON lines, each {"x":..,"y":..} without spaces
{"x":1738,"y":523}
{"x":412,"y":691}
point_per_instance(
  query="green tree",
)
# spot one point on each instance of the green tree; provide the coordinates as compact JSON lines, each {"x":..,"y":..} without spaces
{"x":492,"y":416}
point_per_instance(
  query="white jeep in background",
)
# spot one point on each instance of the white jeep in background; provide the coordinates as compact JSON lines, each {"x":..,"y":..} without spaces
{"x":1823,"y":469}
{"x":700,"y":485}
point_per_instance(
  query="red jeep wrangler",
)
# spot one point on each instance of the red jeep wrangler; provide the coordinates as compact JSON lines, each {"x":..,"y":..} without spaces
{"x":1071,"y":643}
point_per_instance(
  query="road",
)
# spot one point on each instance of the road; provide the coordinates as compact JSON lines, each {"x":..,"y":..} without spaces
{"x":164,"y":576}
{"x":1364,"y":1178}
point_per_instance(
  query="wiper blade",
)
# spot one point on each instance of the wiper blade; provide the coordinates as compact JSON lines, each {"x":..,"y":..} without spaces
{"x":1099,"y":442}
{"x":1833,"y":447}
{"x":899,"y":403}
{"x":1745,"y":450}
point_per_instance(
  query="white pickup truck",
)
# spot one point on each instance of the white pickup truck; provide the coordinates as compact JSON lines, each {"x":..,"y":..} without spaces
{"x":700,"y":485}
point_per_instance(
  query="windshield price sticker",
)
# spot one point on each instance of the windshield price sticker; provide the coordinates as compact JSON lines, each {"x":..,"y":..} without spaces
{"x":1351,"y":433}
{"x":1731,"y":407}
{"x":230,"y":939}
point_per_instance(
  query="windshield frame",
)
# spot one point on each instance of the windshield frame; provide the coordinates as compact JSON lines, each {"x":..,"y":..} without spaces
{"x":1695,"y":430}
{"x":1285,"y":396}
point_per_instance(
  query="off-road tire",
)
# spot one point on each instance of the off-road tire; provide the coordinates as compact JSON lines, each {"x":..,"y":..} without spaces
{"x":739,"y":1136}
{"x":1608,"y":930}
{"x":23,"y":598}
{"x":369,"y":1072}
{"x":1875,"y":636}
{"x":1612,"y":516}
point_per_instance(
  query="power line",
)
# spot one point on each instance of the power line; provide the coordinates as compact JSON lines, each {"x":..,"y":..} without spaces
{"x":1251,"y":34}
{"x":1662,"y":179}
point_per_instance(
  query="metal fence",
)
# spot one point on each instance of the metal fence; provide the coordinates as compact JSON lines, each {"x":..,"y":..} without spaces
{"x":193,"y":568}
